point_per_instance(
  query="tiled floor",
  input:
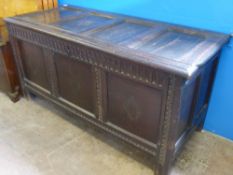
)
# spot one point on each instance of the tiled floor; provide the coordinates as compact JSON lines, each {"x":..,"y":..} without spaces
{"x":36,"y":139}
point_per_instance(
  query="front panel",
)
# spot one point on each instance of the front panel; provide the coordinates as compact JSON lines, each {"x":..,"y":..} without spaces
{"x":134,"y":107}
{"x":75,"y":82}
{"x":34,"y":64}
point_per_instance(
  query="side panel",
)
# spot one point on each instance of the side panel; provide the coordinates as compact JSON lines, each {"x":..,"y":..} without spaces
{"x":187,"y":100}
{"x":195,"y":99}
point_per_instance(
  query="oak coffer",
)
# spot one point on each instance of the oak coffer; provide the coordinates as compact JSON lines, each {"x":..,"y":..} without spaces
{"x":145,"y":82}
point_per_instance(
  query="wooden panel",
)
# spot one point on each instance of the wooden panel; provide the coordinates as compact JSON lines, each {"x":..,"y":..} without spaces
{"x":121,"y":32}
{"x":53,"y":16}
{"x":187,"y":99}
{"x":172,"y":44}
{"x":75,"y":82}
{"x":134,"y":107}
{"x":34,"y":64}
{"x":83,"y":24}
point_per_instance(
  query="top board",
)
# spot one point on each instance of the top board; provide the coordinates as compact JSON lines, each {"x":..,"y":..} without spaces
{"x":181,"y":50}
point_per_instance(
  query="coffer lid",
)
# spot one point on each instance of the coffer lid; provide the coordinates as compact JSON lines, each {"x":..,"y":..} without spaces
{"x":177,"y":49}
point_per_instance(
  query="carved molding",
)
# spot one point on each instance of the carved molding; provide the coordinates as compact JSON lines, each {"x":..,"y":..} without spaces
{"x":167,"y":121}
{"x":51,"y":71}
{"x":91,"y":56}
{"x":99,"y":94}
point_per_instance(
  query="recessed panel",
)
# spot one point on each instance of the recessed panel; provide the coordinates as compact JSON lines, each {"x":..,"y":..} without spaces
{"x":52,"y":16}
{"x":134,"y":107}
{"x":85,"y":23}
{"x":121,"y":32}
{"x":172,"y":44}
{"x":75,"y":82}
{"x":34,"y":64}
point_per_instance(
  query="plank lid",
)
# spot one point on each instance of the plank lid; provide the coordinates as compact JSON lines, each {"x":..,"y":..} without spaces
{"x":177,"y":49}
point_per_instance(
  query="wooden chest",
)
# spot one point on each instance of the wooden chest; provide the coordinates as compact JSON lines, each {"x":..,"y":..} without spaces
{"x":143,"y":81}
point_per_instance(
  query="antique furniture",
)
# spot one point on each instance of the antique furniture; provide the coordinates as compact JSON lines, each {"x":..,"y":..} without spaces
{"x":143,"y":81}
{"x":8,"y":79}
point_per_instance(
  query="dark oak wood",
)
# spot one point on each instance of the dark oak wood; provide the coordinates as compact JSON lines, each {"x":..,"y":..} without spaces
{"x":145,"y":82}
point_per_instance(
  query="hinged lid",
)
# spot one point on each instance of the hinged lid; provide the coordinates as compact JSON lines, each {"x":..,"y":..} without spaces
{"x":172,"y":48}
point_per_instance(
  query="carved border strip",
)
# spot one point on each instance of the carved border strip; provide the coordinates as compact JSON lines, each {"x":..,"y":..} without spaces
{"x":166,"y":123}
{"x":51,"y":71}
{"x":94,"y":57}
{"x":99,"y":93}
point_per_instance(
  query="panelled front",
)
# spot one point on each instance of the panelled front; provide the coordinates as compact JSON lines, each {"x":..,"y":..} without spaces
{"x":75,"y":82}
{"x":34,"y":64}
{"x":131,"y":105}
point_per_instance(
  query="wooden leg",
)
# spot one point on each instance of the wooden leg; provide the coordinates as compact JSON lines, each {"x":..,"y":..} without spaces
{"x":202,"y":117}
{"x":19,"y":66}
{"x":15,"y":95}
{"x":165,"y":161}
{"x":168,"y":132}
{"x":200,"y":126}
